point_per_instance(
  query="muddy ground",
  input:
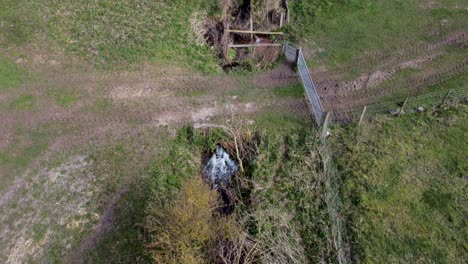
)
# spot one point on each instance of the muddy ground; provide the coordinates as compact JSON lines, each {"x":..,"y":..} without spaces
{"x":120,"y":104}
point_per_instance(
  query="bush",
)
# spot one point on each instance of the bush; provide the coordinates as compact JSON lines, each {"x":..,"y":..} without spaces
{"x":181,"y":230}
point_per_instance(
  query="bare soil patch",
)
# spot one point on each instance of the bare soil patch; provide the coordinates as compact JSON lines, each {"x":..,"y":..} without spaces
{"x":283,"y":75}
{"x":105,"y":225}
{"x":55,"y":199}
{"x":338,"y":94}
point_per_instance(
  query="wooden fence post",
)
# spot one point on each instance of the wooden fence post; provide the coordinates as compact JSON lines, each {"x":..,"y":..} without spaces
{"x":298,"y":51}
{"x":325,"y":125}
{"x":445,"y":98}
{"x":362,"y":115}
{"x":251,"y":27}
{"x":403,"y":107}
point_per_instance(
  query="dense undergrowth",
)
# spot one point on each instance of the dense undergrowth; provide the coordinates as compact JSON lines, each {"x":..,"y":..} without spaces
{"x":280,"y":213}
{"x":404,"y":187}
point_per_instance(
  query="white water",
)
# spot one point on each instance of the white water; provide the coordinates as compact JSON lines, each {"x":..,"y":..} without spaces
{"x":220,"y":167}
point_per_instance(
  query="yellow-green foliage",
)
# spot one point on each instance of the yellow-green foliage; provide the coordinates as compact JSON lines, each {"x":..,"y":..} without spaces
{"x":182,"y":228}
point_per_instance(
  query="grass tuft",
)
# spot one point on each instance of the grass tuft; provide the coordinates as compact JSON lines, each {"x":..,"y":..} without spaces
{"x":10,"y":75}
{"x":24,"y":102}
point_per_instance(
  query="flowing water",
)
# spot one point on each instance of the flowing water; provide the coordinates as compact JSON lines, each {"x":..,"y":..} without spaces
{"x":220,"y":167}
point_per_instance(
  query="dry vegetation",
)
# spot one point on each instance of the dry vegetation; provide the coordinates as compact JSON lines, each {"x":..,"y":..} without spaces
{"x":96,"y":164}
{"x":238,"y":15}
{"x":261,"y":216}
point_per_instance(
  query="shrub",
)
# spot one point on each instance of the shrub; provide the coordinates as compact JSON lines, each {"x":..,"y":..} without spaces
{"x":180,"y":229}
{"x":189,"y":229}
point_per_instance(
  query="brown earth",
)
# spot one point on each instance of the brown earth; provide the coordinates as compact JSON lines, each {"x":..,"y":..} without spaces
{"x":339,"y":93}
{"x":108,"y":106}
{"x":115,"y":104}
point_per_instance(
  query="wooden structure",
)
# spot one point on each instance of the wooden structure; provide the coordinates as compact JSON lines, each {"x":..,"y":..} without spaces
{"x":284,"y":19}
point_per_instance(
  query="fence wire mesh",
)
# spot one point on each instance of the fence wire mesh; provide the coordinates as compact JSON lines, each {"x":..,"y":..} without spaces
{"x":294,"y":53}
{"x":341,"y":113}
{"x":290,"y":51}
{"x":395,"y":107}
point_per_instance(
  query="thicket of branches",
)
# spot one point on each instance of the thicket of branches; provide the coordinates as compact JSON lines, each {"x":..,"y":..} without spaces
{"x":281,"y":211}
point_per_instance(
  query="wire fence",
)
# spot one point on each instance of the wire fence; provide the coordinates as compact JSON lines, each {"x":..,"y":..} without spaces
{"x":294,"y":53}
{"x":416,"y":85}
{"x":397,"y":107}
{"x":392,"y":107}
{"x":342,"y":112}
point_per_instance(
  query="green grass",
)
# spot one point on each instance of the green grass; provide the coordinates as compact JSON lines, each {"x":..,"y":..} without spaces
{"x":347,"y":30}
{"x":27,"y":146}
{"x":65,"y":98}
{"x":111,"y":34}
{"x":179,"y":159}
{"x":295,"y":91}
{"x":404,"y":187}
{"x":195,"y":93}
{"x":159,"y":178}
{"x":282,"y":122}
{"x":39,"y":231}
{"x":103,"y":104}
{"x":10,"y":74}
{"x":14,"y":162}
{"x":24,"y":102}
{"x":19,"y":24}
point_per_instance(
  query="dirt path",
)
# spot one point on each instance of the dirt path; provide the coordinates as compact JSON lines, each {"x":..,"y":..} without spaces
{"x":104,"y":106}
{"x":338,"y":93}
{"x":114,"y":104}
{"x":148,"y":96}
{"x":105,"y":225}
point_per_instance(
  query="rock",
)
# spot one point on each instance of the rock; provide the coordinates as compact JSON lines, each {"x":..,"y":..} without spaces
{"x":395,"y":111}
{"x":421,"y":109}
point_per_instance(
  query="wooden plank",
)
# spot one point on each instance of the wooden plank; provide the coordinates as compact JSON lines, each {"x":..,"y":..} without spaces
{"x":403,"y":107}
{"x":254,"y":32}
{"x":254,"y":45}
{"x":251,"y":28}
{"x":445,"y":98}
{"x":362,"y":115}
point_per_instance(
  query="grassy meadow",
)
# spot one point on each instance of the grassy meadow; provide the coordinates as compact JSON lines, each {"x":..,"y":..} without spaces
{"x":110,"y":34}
{"x":353,"y":30}
{"x":404,"y":187}
{"x":100,"y":160}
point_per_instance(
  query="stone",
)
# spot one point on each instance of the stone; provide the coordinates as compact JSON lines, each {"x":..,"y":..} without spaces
{"x":395,"y":111}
